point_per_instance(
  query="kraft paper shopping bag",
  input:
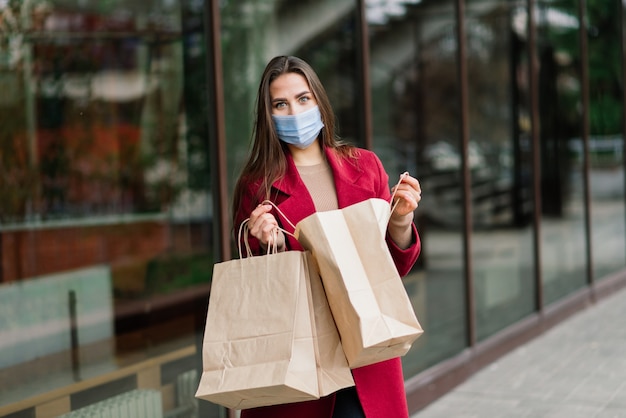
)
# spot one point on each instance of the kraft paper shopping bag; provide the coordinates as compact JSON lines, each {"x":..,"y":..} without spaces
{"x":369,"y":303}
{"x":333,"y":370}
{"x":264,"y":343}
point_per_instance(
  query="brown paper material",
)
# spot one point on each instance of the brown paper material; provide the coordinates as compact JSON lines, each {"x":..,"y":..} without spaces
{"x":365,"y":292}
{"x":333,"y":370}
{"x":264,"y":343}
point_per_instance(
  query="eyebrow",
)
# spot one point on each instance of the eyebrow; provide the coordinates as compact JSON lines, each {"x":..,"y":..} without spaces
{"x":280,"y":99}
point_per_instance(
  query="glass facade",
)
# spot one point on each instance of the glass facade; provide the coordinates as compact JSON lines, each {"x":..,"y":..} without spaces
{"x":499,"y":165}
{"x":105,"y":213}
{"x":253,"y":32}
{"x":564,"y":243}
{"x":110,"y":161}
{"x":415,"y":95}
{"x":606,"y":155}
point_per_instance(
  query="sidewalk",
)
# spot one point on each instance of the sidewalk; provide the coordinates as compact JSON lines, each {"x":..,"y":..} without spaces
{"x":575,"y":370}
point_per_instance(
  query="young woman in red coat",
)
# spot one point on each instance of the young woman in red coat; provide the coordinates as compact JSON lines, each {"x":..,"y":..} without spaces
{"x":299,"y":164}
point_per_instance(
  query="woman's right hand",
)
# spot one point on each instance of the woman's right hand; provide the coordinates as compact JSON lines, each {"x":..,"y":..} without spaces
{"x":264,"y":227}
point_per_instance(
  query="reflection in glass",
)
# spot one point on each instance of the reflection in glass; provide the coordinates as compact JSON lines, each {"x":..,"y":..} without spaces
{"x":606,"y":139}
{"x":563,"y":241}
{"x":500,"y":169}
{"x":415,"y":122}
{"x":105,"y":200}
{"x":253,"y":32}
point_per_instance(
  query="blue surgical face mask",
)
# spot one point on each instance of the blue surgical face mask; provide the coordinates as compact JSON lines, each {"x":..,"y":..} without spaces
{"x":300,"y":129}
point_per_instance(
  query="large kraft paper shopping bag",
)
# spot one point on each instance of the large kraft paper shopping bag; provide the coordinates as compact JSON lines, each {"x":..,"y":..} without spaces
{"x":263,"y":340}
{"x":369,"y":303}
{"x":332,"y":365}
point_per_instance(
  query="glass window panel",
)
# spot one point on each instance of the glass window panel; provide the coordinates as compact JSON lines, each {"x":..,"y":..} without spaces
{"x":606,"y":138}
{"x":563,"y":241}
{"x":499,"y":163}
{"x":415,"y":122}
{"x":105,"y":215}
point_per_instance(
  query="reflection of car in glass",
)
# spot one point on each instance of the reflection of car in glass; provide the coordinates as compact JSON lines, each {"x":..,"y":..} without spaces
{"x":442,"y":156}
{"x":493,"y":192}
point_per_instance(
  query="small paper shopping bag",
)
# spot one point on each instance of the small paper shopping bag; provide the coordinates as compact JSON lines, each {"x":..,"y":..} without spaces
{"x":369,"y":303}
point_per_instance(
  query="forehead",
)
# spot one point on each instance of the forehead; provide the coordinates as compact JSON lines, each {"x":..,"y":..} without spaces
{"x":288,"y":84}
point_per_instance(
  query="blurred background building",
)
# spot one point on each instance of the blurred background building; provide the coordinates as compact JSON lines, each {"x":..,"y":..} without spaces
{"x":123,"y":125}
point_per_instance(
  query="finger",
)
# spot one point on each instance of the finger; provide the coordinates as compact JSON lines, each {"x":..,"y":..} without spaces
{"x":408,"y":200}
{"x":260,"y":210}
{"x":263,"y":226}
{"x":409,"y":190}
{"x":407,"y":179}
{"x":411,"y":182}
{"x":257,"y":214}
{"x":269,"y":232}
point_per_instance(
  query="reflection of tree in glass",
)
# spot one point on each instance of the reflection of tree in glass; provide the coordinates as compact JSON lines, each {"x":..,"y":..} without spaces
{"x":605,"y":59}
{"x":101,"y":123}
{"x":18,"y":172}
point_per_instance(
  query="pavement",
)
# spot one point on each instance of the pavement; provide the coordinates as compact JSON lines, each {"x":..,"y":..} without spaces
{"x":577,"y":369}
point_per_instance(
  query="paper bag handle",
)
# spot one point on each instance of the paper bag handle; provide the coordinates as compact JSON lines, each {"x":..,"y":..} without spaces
{"x":271,"y":249}
{"x":391,"y":202}
{"x":269,"y":202}
{"x":392,"y":205}
{"x":244,"y":227}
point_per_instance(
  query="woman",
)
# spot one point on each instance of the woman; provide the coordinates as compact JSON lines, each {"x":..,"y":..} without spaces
{"x":297,"y":163}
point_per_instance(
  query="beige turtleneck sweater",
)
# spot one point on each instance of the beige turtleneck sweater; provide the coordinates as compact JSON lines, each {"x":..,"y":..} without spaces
{"x":318,"y":180}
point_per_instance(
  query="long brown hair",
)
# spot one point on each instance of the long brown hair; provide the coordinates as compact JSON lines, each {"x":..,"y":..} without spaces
{"x":267,"y":159}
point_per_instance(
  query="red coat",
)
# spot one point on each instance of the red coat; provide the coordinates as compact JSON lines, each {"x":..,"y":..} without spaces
{"x":380,"y":386}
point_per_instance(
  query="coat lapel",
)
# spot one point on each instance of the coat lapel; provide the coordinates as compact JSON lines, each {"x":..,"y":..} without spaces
{"x":346,"y":174}
{"x":291,"y":196}
{"x":293,"y":199}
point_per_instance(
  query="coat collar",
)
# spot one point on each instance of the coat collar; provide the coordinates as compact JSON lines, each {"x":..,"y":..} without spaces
{"x":297,"y":201}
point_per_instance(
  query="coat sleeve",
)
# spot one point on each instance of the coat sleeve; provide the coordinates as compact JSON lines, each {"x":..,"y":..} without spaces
{"x":404,"y":259}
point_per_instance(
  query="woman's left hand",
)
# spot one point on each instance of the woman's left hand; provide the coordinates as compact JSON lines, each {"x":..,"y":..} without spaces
{"x":408,"y":194}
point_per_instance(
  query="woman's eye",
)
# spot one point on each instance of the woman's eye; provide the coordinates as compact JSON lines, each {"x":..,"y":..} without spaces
{"x":280,"y":105}
{"x":304,"y":99}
